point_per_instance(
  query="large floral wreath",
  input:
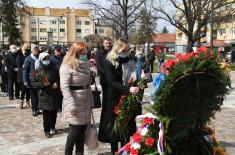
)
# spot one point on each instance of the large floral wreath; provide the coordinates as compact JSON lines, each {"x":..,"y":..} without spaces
{"x":192,"y":91}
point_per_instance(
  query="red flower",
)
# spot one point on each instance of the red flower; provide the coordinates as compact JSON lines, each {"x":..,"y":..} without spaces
{"x":148,"y":121}
{"x":33,"y":73}
{"x":169,"y":64}
{"x":137,"y":137}
{"x":46,"y":79}
{"x":149,"y":141}
{"x":127,"y":147}
{"x":134,"y":151}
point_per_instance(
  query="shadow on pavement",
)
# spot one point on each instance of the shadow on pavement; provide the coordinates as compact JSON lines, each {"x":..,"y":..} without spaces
{"x":105,"y":153}
{"x":61,"y":131}
{"x":226,"y":144}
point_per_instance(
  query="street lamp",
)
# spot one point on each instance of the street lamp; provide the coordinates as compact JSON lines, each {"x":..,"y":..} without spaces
{"x":212,"y":24}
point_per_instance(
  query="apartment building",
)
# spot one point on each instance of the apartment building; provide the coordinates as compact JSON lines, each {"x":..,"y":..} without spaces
{"x":60,"y":25}
{"x":224,"y":29}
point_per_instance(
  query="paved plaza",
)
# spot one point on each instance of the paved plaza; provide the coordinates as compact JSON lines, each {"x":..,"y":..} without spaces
{"x":22,"y":134}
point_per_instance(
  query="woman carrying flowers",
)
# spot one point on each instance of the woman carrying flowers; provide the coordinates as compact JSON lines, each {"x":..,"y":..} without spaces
{"x":46,"y":80}
{"x":113,"y":72}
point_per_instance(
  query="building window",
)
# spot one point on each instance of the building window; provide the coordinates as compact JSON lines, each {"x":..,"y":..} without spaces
{"x":43,"y":38}
{"x":41,"y":22}
{"x":87,"y":30}
{"x":53,"y":30}
{"x":222,"y":32}
{"x":33,"y":22}
{"x":78,"y":22}
{"x":53,"y":22}
{"x":228,"y":6}
{"x":33,"y":38}
{"x":43,"y":30}
{"x":180,"y":36}
{"x":78,"y":30}
{"x":33,"y":30}
{"x":87,"y":22}
{"x":101,"y":30}
{"x":233,"y":31}
{"x":62,"y":22}
{"x":62,"y":30}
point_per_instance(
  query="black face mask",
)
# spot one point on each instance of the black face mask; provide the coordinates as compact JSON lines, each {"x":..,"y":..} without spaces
{"x":123,"y":60}
{"x":27,"y":51}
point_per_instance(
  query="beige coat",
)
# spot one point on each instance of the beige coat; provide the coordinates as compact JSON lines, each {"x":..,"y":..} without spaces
{"x":79,"y":101}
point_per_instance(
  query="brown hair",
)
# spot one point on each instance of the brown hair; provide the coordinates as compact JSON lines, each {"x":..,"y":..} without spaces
{"x":72,"y":56}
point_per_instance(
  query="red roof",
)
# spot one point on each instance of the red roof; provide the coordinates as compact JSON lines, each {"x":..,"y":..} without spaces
{"x":218,"y":43}
{"x":164,"y":38}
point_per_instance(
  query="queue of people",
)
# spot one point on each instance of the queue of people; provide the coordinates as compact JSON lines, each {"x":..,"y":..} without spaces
{"x":62,"y":81}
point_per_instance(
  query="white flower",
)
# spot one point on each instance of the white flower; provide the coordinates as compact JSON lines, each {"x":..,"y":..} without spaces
{"x":135,"y":146}
{"x":144,"y":131}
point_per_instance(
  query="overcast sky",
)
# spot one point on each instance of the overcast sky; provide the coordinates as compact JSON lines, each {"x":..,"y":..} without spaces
{"x":78,"y":4}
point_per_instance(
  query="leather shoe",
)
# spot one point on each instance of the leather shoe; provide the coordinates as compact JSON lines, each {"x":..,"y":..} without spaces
{"x":47,"y":134}
{"x":35,"y":114}
{"x":11,"y":98}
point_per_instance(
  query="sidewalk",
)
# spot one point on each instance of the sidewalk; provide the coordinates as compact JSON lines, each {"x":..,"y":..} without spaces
{"x":22,"y":134}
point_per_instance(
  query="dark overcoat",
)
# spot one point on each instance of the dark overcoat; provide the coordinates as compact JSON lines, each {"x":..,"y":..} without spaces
{"x":115,"y":90}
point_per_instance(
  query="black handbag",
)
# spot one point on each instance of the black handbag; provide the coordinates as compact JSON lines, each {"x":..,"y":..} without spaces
{"x":96,"y":97}
{"x":149,"y":77}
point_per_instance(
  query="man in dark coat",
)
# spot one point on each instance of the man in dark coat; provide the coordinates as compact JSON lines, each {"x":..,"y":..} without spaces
{"x":10,"y":60}
{"x":20,"y":62}
{"x":56,"y":61}
{"x":57,"y":58}
{"x":151,"y":59}
{"x":28,"y":69}
{"x":100,"y":60}
{"x":233,"y":56}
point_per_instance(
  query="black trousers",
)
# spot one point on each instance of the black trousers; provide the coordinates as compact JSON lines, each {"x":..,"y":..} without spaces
{"x":114,"y":146}
{"x":25,"y":92}
{"x":34,"y":98}
{"x":4,"y":82}
{"x":76,"y":136}
{"x":49,"y":119}
{"x":12,"y":80}
{"x":151,"y":67}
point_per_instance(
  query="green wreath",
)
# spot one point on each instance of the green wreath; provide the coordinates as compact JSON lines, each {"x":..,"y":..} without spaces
{"x":191,"y":94}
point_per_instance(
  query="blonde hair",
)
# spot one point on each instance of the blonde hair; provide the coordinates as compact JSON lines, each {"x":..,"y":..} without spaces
{"x":118,"y":47}
{"x":138,"y":50}
{"x":25,"y":46}
{"x":72,"y":56}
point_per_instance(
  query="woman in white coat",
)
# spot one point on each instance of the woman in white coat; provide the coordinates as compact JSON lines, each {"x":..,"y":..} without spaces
{"x":77,"y":96}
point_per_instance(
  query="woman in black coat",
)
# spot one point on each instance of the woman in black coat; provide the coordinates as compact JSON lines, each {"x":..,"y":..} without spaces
{"x":113,"y":72}
{"x":25,"y":92}
{"x":48,"y":91}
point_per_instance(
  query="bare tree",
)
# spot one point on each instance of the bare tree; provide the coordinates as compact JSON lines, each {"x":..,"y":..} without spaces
{"x":191,"y":17}
{"x":121,"y":14}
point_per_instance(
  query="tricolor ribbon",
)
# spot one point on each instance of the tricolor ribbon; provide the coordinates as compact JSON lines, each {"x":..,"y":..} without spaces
{"x":160,"y":139}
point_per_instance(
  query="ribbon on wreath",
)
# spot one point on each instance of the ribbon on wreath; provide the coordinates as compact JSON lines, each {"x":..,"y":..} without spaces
{"x":160,"y":139}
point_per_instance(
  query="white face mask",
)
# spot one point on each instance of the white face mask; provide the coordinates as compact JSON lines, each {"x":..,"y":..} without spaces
{"x":13,"y":50}
{"x":124,"y":54}
{"x":46,"y":62}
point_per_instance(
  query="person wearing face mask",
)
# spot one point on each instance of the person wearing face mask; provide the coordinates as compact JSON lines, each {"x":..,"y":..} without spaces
{"x":28,"y":69}
{"x":78,"y":100}
{"x":100,"y":59}
{"x":47,"y":93}
{"x":10,"y":60}
{"x":57,"y":58}
{"x":56,"y":61}
{"x":116,"y":88}
{"x":25,"y":92}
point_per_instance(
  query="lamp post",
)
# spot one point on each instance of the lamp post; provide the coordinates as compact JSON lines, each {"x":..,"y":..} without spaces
{"x":212,"y":24}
